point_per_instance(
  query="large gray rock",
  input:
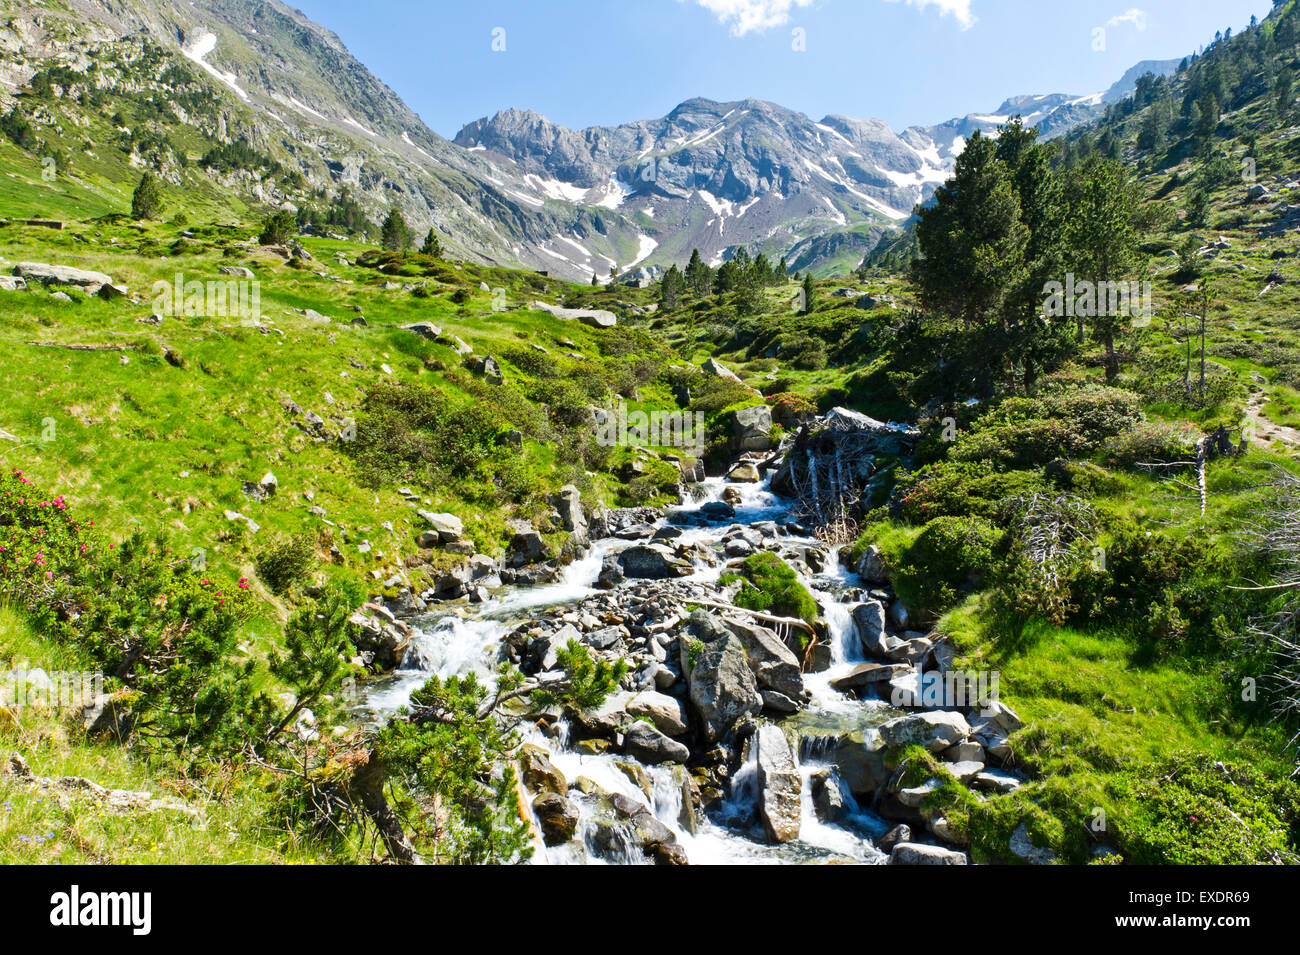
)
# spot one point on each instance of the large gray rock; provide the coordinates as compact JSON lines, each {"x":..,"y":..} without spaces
{"x":918,"y":853}
{"x":557,"y":817}
{"x":595,"y":317}
{"x":869,"y":619}
{"x":424,"y":330}
{"x":48,"y":274}
{"x":775,"y":666}
{"x":779,"y":784}
{"x":667,"y":713}
{"x":569,"y":504}
{"x":871,"y":566}
{"x":448,"y":527}
{"x":935,"y":731}
{"x":646,"y":744}
{"x":652,"y":561}
{"x":537,"y":771}
{"x":723,"y":688}
{"x":751,"y":429}
{"x":527,"y":545}
{"x":712,"y":367}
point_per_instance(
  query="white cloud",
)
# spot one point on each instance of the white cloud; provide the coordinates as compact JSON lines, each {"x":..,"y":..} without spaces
{"x":1132,"y":15}
{"x":958,"y":9}
{"x":745,"y":16}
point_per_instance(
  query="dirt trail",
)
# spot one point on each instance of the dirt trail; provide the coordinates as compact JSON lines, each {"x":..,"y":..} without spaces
{"x":1265,"y":432}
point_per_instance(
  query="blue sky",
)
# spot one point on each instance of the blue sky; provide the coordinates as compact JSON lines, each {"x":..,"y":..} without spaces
{"x":602,"y":62}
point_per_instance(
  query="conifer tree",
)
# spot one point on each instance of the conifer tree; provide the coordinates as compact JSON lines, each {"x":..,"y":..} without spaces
{"x":146,"y":201}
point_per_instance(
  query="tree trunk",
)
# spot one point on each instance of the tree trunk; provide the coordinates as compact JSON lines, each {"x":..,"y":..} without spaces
{"x":368,"y":781}
{"x":1112,"y":362}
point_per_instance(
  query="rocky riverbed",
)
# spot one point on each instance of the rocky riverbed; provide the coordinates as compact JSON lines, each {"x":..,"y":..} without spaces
{"x":734,"y":737}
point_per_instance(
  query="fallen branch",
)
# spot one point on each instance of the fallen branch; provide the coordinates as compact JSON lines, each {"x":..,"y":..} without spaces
{"x":758,"y":614}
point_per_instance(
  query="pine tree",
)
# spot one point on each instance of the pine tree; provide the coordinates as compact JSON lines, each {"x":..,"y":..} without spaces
{"x":1103,"y":241}
{"x":699,"y":277}
{"x":395,"y":236}
{"x":670,"y":288}
{"x":782,"y":272}
{"x":972,"y":250}
{"x":146,"y":201}
{"x":808,"y":292}
{"x":431,"y":245}
{"x":279,"y":228}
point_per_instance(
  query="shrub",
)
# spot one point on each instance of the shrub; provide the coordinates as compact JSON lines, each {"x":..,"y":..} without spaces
{"x":1153,"y":442}
{"x":153,"y":623}
{"x":287,"y":562}
{"x":407,"y":431}
{"x":959,"y":488}
{"x":950,"y":557}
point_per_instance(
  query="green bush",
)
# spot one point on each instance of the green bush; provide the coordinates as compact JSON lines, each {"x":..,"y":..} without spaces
{"x":407,"y":431}
{"x":949,"y":558}
{"x":287,"y":562}
{"x":959,"y":488}
{"x":1153,"y":442}
{"x":1192,"y":809}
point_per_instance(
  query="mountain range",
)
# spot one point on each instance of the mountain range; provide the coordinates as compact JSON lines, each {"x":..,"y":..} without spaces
{"x":517,"y":189}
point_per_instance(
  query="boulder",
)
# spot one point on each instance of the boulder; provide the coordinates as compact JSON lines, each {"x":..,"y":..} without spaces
{"x":751,"y":429}
{"x":538,"y":773}
{"x":829,"y":802}
{"x":744,"y":472}
{"x":630,"y":827}
{"x":594,"y":317}
{"x":48,"y":274}
{"x":871,"y":566}
{"x":1021,"y":844}
{"x":723,"y":688}
{"x":556,"y":816}
{"x":569,"y":504}
{"x":712,"y":367}
{"x":779,"y":784}
{"x":869,"y":620}
{"x":775,"y":666}
{"x":646,"y":744}
{"x":448,"y":527}
{"x":918,"y":853}
{"x":899,"y":834}
{"x":527,"y":545}
{"x":667,"y":713}
{"x":425,"y":330}
{"x":935,"y":731}
{"x":867,"y":675}
{"x":652,"y":561}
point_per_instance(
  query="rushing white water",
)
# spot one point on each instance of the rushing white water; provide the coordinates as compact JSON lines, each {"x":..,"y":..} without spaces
{"x":462,"y":639}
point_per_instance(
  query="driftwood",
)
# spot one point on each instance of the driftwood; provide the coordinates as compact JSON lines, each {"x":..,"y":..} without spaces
{"x":757,"y":614}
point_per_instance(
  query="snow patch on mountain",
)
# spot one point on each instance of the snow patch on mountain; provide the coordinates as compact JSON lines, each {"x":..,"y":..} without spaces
{"x":200,"y":48}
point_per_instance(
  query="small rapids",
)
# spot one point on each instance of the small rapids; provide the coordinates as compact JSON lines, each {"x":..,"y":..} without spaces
{"x":464,"y":638}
